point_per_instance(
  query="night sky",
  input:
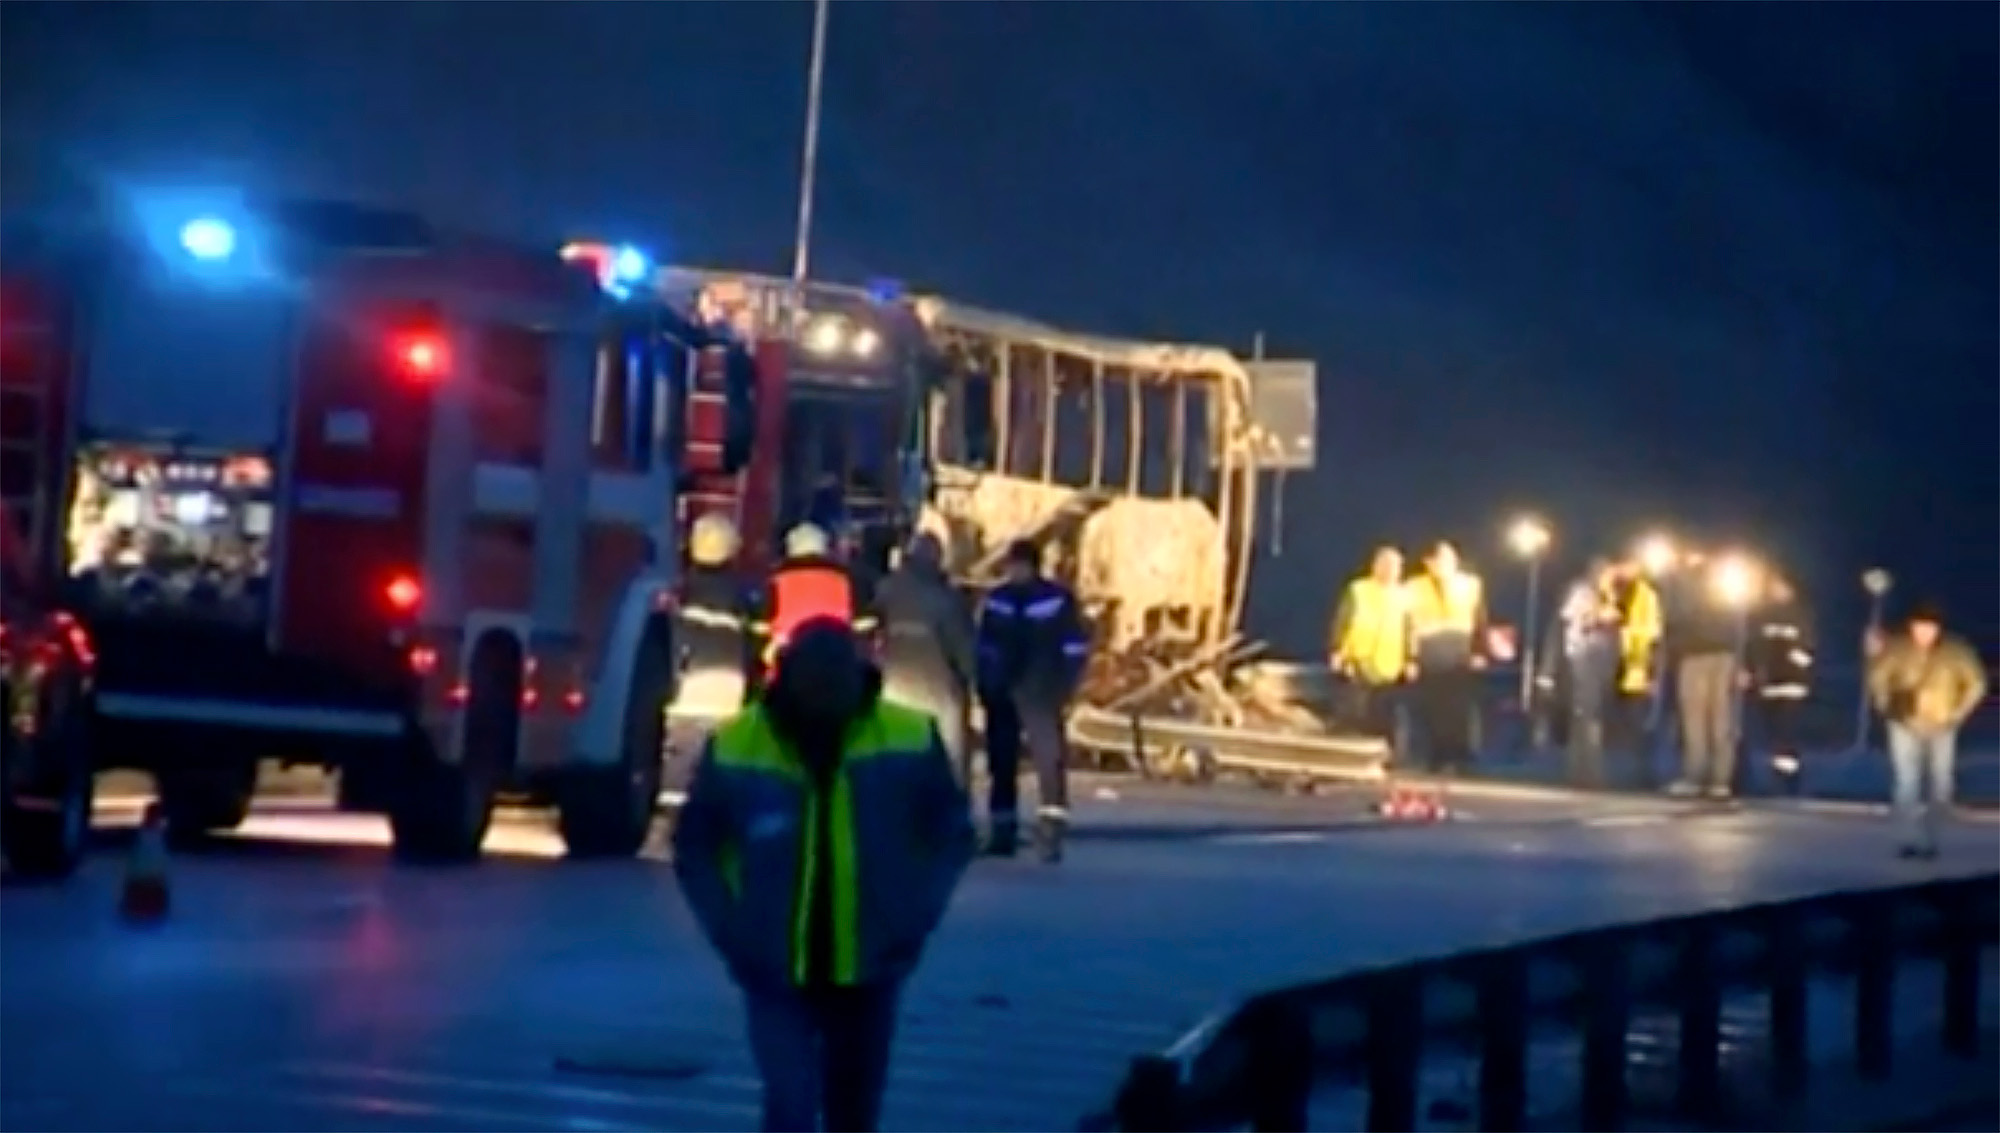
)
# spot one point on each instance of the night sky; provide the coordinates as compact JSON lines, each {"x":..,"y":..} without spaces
{"x":1725,"y":267}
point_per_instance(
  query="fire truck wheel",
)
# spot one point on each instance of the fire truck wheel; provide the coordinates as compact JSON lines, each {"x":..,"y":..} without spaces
{"x":203,"y":799}
{"x":46,"y":825}
{"x":441,"y":810}
{"x":607,"y":812}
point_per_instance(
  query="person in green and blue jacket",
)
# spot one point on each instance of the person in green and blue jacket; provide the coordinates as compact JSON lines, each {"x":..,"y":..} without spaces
{"x":823,"y":835}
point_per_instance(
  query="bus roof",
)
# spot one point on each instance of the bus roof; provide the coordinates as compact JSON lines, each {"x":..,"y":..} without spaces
{"x":938,"y":314}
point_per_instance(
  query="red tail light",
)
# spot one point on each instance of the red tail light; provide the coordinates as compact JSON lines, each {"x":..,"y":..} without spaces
{"x":422,"y":356}
{"x":403,"y":593}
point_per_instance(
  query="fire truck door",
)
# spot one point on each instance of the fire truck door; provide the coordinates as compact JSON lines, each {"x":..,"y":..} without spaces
{"x":565,"y":495}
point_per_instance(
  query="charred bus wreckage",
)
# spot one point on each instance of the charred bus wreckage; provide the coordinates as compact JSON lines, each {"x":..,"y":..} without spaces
{"x":1136,"y":465}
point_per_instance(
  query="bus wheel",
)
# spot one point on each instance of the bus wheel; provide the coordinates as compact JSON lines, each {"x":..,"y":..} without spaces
{"x":607,"y":812}
{"x":45,"y":827}
{"x":202,"y":799}
{"x":443,"y":808}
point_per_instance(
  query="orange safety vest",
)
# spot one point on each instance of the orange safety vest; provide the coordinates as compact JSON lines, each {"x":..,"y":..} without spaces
{"x":801,"y":592}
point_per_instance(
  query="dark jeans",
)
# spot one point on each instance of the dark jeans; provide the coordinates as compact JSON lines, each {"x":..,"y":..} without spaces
{"x":1779,"y":716}
{"x":1593,"y":698}
{"x":1370,"y":708}
{"x":1442,"y":700}
{"x":823,"y":1056}
{"x":1010,"y":720}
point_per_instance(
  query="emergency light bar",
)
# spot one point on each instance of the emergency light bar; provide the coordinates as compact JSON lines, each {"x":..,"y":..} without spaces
{"x":620,"y":269}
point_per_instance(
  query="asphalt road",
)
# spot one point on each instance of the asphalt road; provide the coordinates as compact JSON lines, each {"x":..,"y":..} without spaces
{"x":306,"y":983}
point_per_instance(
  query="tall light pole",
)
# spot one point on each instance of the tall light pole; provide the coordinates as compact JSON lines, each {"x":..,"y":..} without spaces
{"x":1877,"y":583}
{"x":1529,"y":537}
{"x":809,"y":157}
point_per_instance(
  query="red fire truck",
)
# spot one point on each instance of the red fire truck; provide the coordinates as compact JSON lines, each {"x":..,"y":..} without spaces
{"x":46,"y":776}
{"x":442,"y":564}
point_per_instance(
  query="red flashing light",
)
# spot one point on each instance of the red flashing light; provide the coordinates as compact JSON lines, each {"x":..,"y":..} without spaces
{"x":422,"y":355}
{"x":403,"y":593}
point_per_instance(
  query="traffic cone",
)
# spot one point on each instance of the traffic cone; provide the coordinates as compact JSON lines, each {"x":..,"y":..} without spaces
{"x":144,"y":898}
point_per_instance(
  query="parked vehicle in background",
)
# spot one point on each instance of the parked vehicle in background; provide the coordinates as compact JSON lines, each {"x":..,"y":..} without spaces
{"x":443,"y":567}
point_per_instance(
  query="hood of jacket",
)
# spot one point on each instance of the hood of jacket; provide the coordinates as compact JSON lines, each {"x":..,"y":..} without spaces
{"x":822,"y":686}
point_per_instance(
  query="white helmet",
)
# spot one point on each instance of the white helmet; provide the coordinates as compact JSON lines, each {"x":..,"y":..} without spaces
{"x":714,"y":540}
{"x":807,"y":540}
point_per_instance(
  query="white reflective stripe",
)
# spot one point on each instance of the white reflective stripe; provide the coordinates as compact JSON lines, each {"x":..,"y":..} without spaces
{"x":1076,"y":648}
{"x":1052,"y":812}
{"x":1800,"y":657}
{"x":1045,"y":608}
{"x":1785,"y":692}
{"x":277,"y":717}
{"x":1776,"y":630}
{"x":1001,"y":607}
{"x":712,"y":619}
{"x":708,"y":693}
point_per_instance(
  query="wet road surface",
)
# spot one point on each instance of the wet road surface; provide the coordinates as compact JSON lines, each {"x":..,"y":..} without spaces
{"x":319,"y":987}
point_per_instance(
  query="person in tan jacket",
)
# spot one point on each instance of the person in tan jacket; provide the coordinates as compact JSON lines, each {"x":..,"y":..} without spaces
{"x":1924,"y":683}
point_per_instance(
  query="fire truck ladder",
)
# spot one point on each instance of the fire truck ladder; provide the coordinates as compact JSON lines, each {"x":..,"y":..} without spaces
{"x":709,"y":486}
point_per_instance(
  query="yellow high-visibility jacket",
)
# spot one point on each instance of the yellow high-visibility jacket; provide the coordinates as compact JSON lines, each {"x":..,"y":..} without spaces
{"x":1371,"y":631}
{"x":1447,"y":615}
{"x":1639,"y":637}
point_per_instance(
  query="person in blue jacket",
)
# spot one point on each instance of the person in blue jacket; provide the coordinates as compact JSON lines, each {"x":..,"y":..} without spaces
{"x":1033,"y":646}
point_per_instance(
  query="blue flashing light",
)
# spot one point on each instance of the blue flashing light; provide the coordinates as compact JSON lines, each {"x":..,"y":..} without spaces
{"x":885,"y":291}
{"x":208,"y":238}
{"x":630,"y":266}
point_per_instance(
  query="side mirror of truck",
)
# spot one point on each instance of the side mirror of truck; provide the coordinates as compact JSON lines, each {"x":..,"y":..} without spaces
{"x":739,"y":429}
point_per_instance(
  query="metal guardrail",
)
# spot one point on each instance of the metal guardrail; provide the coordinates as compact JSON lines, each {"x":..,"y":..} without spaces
{"x":1259,"y":1066}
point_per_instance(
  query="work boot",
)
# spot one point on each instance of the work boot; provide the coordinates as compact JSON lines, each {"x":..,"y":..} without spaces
{"x":1001,"y":842}
{"x":1049,"y":838}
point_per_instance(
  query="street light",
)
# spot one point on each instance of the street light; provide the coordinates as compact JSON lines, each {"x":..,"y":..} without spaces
{"x":1735,"y":581}
{"x":1657,"y":554}
{"x":1529,"y":537}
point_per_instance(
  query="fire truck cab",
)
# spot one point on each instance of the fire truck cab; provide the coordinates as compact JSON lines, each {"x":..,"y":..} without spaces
{"x":441,"y":564}
{"x":843,"y":375}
